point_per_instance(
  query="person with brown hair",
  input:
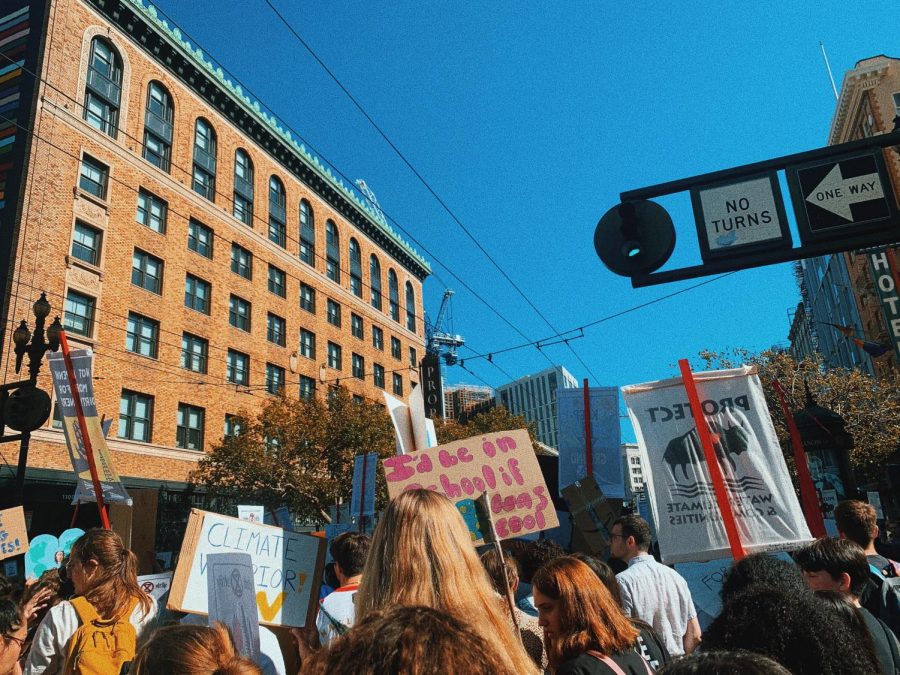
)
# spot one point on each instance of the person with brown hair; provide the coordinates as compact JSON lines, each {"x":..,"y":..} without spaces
{"x":104,"y":574}
{"x":410,"y":640}
{"x":349,"y":550}
{"x":191,"y":650}
{"x":585,"y":632}
{"x":422,"y":554}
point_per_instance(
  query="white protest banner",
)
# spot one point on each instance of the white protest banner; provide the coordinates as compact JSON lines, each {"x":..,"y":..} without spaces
{"x":83,"y":364}
{"x":502,"y":463}
{"x":362,"y":498}
{"x":232,"y":601}
{"x":287,"y":567}
{"x":689,"y":526}
{"x":13,"y":536}
{"x":156,"y":585}
{"x":606,"y":439}
{"x":413,"y":431}
{"x":251,"y":513}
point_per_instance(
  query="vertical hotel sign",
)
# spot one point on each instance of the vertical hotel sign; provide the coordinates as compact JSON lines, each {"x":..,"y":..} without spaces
{"x":433,"y":387}
{"x":880,"y":264}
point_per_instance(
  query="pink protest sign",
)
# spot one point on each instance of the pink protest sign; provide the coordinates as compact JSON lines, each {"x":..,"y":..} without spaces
{"x":502,"y":464}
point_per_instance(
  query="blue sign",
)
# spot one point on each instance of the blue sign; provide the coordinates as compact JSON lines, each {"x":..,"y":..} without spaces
{"x":606,"y":439}
{"x":364,"y":493}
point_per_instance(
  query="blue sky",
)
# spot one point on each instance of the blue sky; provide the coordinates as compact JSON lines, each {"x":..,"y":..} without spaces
{"x":528,"y":119}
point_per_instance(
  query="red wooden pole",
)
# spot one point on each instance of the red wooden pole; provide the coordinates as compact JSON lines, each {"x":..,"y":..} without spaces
{"x":588,"y":449}
{"x":82,"y":426}
{"x":712,"y":461}
{"x":809,"y":500}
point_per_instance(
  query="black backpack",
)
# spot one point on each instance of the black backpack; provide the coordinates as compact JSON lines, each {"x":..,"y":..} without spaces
{"x":881,"y":596}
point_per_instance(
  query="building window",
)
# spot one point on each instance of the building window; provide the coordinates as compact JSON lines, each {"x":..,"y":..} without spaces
{"x":243,"y":187}
{"x":142,"y":335}
{"x":146,"y":271}
{"x":135,"y":416}
{"x":79,"y":314}
{"x":158,"y":127}
{"x":204,"y":183}
{"x":277,"y":217}
{"x":378,"y":374}
{"x":307,"y":234}
{"x":897,"y":103}
{"x":333,"y":313}
{"x":334,"y":356}
{"x":356,"y":326}
{"x":377,"y":338}
{"x":410,"y":307}
{"x":194,"y":353}
{"x":104,"y":87}
{"x":233,"y":425}
{"x":94,"y":177}
{"x":393,"y":295}
{"x":307,"y":387}
{"x":241,"y":261}
{"x":276,"y":330}
{"x":200,"y":238}
{"x":274,"y":379}
{"x":358,"y":366}
{"x":307,"y":343}
{"x":152,"y":211}
{"x":239,"y":313}
{"x":398,"y":384}
{"x":375,"y":281}
{"x":189,"y":429}
{"x":308,"y":298}
{"x":86,"y":243}
{"x":413,"y":358}
{"x":197,"y":293}
{"x":277,"y":281}
{"x":237,"y":369}
{"x":332,"y":252}
{"x":355,"y":269}
{"x":396,"y":348}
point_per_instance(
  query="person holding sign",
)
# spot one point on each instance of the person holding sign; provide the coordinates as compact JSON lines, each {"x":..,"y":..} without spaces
{"x":422,"y":554}
{"x":349,"y":550}
{"x":104,"y":574}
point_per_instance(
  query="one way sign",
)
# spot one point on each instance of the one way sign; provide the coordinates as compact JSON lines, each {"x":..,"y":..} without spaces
{"x":851,"y":192}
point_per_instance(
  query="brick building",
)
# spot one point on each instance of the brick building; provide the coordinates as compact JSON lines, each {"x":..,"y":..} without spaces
{"x":206,"y":257}
{"x":462,"y":399}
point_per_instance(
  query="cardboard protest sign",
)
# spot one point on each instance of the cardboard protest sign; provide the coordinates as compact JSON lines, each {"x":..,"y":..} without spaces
{"x":156,"y":585}
{"x":606,"y":438}
{"x":232,"y":599}
{"x":592,"y":512}
{"x":502,"y":463}
{"x":13,"y":536}
{"x":110,"y":484}
{"x":47,"y":552}
{"x":287,"y":567}
{"x":689,"y":526}
{"x":251,"y":513}
{"x":362,"y":499}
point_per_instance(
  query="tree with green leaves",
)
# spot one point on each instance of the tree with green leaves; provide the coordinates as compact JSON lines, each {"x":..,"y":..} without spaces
{"x":298,"y":453}
{"x":495,"y":419}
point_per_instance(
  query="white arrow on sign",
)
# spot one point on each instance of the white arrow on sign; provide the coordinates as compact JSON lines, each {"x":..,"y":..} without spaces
{"x":836,"y":193}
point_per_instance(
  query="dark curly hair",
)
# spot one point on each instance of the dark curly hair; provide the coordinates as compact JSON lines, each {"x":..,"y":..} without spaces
{"x":764,"y":570}
{"x":723,"y":663}
{"x":537,"y":554}
{"x":797,"y":630}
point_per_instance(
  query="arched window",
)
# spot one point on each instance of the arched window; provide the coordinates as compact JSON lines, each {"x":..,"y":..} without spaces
{"x":410,"y":307}
{"x":355,"y":269}
{"x":243,"y":187}
{"x":394,"y":295}
{"x":277,"y":212}
{"x":375,"y":281}
{"x":332,"y":252}
{"x":205,"y":160}
{"x":158,"y":126}
{"x":103,"y":92}
{"x":307,"y":234}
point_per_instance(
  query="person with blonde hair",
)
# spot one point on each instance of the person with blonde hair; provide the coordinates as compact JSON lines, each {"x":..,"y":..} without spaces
{"x":192,"y":650}
{"x":585,"y":631}
{"x":422,"y":554}
{"x":108,"y":598}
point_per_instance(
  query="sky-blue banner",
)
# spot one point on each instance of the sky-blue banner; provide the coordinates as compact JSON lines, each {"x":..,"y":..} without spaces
{"x":606,"y":438}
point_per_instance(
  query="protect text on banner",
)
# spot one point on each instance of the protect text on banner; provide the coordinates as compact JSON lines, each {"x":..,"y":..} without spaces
{"x":683,"y":503}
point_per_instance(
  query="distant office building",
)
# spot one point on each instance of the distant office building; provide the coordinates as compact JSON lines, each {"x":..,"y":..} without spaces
{"x":633,"y":469}
{"x":534,"y":396}
{"x":462,"y":400}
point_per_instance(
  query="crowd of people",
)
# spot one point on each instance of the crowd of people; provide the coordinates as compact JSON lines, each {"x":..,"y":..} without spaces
{"x":417,"y":598}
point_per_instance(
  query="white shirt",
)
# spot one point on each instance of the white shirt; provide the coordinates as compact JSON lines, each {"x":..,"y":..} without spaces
{"x":337,"y":608}
{"x":51,"y":640}
{"x":660,"y":596}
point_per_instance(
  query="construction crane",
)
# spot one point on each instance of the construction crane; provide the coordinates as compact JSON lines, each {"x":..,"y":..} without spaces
{"x":439,"y":341}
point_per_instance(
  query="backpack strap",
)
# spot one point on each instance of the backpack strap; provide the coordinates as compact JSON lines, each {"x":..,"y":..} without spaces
{"x":84,"y":609}
{"x":613,"y":666}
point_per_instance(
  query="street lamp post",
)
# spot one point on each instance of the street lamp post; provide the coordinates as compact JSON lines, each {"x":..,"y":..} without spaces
{"x":24,"y":407}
